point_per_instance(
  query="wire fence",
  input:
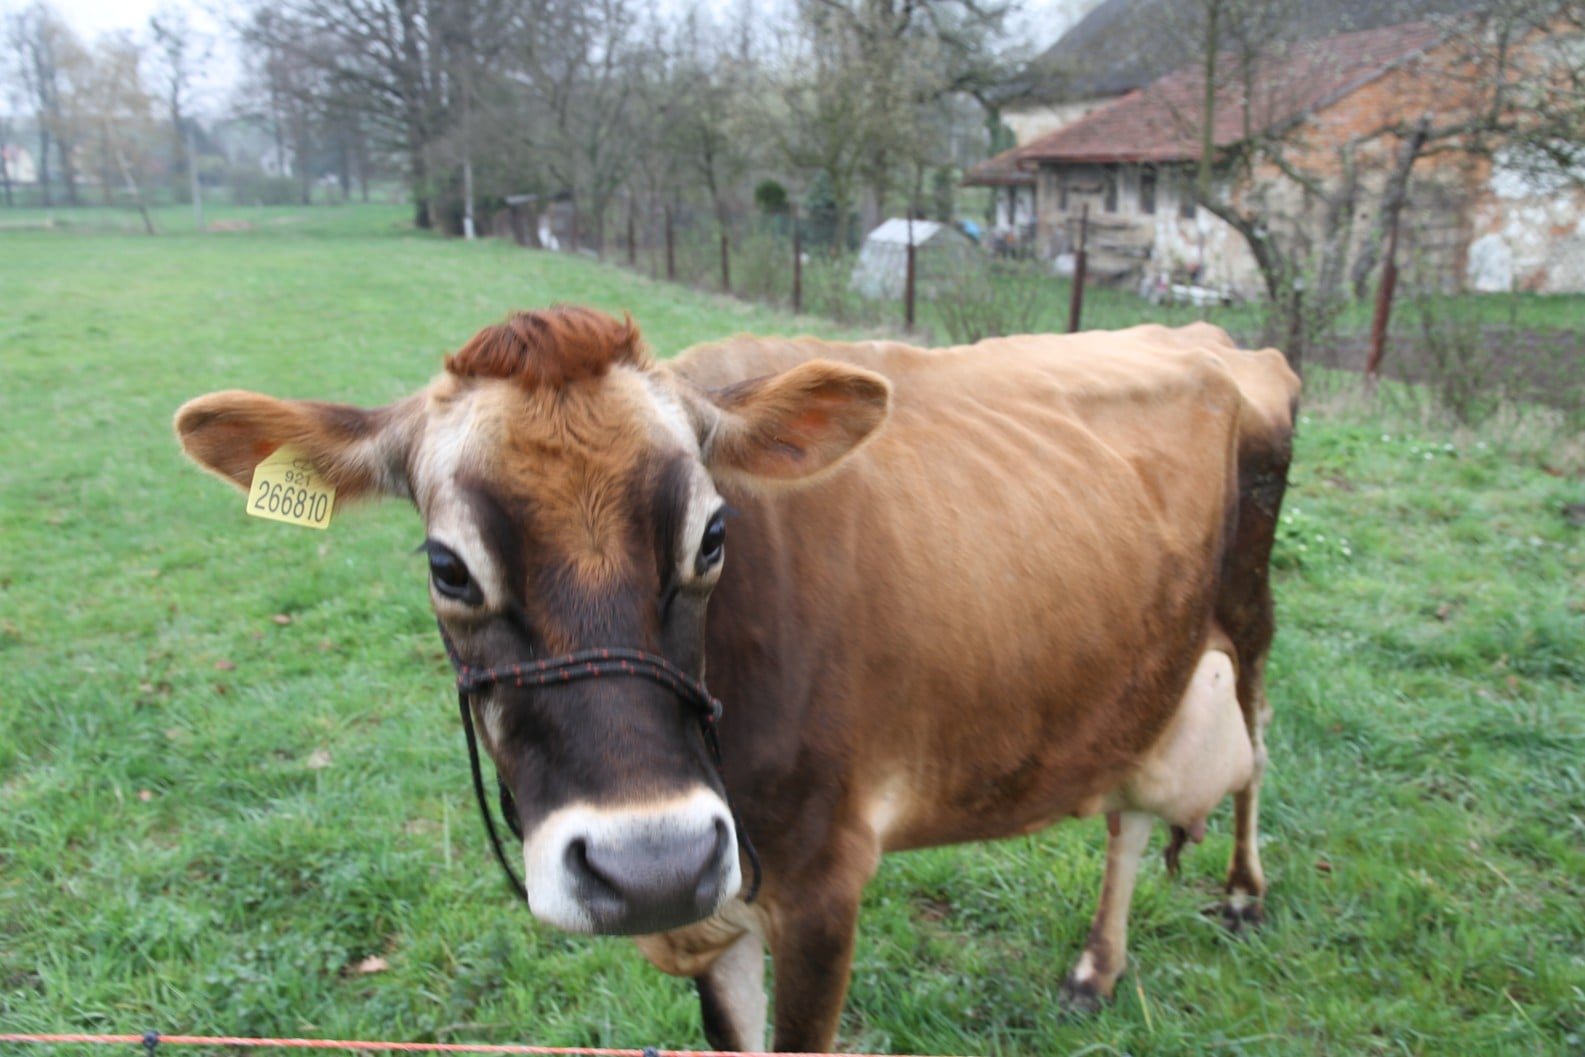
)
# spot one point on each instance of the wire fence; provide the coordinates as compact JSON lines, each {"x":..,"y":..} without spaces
{"x":806,"y":262}
{"x":153,"y":1040}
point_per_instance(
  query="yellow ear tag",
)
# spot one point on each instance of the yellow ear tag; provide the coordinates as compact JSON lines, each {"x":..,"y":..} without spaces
{"x":286,"y":487}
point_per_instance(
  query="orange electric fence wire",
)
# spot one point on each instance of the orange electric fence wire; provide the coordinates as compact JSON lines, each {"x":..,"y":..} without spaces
{"x":357,"y":1045}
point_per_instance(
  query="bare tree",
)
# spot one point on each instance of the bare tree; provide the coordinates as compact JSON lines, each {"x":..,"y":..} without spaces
{"x":413,"y":66}
{"x":586,"y":73}
{"x":819,"y":118}
{"x":7,"y":131}
{"x":707,"y":120}
{"x":1498,"y":81}
{"x":53,"y":64}
{"x":902,"y":57}
{"x":122,"y":113}
{"x":181,"y":52}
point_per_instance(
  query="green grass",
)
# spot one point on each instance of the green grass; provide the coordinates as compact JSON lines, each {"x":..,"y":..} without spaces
{"x":210,"y":816}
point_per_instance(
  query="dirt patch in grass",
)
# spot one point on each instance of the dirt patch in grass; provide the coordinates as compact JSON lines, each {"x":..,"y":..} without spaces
{"x":1527,"y":364}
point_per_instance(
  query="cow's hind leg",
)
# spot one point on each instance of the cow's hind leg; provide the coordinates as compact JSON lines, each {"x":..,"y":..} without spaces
{"x":732,"y":997}
{"x":1246,"y":882}
{"x":1106,"y":952}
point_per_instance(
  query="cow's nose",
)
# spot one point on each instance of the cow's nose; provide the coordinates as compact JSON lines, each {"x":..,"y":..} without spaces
{"x":634,"y":869}
{"x":641,"y":882}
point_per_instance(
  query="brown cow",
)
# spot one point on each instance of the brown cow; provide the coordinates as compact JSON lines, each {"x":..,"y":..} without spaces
{"x":973,"y":591}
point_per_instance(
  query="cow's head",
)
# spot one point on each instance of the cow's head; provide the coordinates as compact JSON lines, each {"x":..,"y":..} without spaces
{"x":568,"y":486}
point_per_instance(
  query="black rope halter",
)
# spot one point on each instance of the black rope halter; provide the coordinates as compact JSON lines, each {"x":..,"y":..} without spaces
{"x":571,"y":668}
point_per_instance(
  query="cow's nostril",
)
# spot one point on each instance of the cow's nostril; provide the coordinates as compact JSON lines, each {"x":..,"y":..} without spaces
{"x":648,"y":881}
{"x":597,"y":884}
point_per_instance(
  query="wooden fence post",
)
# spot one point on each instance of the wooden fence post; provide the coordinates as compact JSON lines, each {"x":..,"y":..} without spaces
{"x":632,"y":233}
{"x":908,"y":279}
{"x":798,"y":264}
{"x":1076,"y":302}
{"x":671,"y":248}
{"x":726,"y":264}
{"x":1378,"y":324}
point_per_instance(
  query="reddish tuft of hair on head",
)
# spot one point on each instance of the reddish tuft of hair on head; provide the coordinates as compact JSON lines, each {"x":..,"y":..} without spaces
{"x":550,"y":348}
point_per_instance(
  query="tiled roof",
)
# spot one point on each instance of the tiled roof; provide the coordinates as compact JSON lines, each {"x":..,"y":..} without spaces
{"x":1121,"y":45}
{"x":1162,"y":122}
{"x":999,"y":170}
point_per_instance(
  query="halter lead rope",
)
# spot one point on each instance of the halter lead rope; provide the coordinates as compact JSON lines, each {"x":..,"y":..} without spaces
{"x":586,"y":664}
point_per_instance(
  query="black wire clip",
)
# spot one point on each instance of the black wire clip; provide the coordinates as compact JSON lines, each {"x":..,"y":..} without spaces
{"x":151,"y":1042}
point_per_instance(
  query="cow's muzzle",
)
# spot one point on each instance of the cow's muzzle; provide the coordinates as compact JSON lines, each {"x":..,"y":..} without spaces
{"x":632,"y":871}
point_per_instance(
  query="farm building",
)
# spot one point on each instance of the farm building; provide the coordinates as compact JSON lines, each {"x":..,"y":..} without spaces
{"x":1472,"y":221}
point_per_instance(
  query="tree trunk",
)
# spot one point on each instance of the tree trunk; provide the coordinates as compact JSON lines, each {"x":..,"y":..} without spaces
{"x":1393,"y":197}
{"x":5,"y":173}
{"x":344,"y":167}
{"x":106,"y":176}
{"x":132,"y":184}
{"x":44,"y":164}
{"x":179,"y":160}
{"x":305,"y":179}
{"x":415,"y":103}
{"x":1378,"y":324}
{"x":423,"y":217}
{"x":1208,"y":124}
{"x":192,"y":175}
{"x":63,"y":150}
{"x":1283,"y":291}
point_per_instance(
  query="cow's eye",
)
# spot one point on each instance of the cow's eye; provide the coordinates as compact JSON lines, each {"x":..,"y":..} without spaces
{"x":450,"y":574}
{"x":713,"y":543}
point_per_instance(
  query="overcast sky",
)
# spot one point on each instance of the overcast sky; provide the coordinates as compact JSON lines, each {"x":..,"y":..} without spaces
{"x":90,"y":18}
{"x":1043,"y":19}
{"x":1040,"y":22}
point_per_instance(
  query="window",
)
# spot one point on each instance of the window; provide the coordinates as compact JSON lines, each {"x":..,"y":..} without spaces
{"x":1147,"y":191}
{"x":1185,"y":197}
{"x":1062,"y":191}
{"x":1111,"y":179}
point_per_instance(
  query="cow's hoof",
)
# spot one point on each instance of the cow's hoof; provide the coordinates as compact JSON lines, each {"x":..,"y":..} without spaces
{"x":1081,"y":998}
{"x":1242,"y":913}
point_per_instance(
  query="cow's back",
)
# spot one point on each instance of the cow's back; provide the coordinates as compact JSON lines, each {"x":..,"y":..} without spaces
{"x":991,"y":611}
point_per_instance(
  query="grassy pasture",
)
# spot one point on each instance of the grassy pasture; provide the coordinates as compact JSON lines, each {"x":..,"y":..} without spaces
{"x":233,"y":798}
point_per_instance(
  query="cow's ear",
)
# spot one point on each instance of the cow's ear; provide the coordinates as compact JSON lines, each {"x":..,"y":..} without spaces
{"x":794,"y":425}
{"x":360,"y":451}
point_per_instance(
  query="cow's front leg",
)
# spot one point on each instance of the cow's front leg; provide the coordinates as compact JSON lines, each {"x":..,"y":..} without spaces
{"x":813,"y":958}
{"x":1106,"y":952}
{"x":732,"y":997}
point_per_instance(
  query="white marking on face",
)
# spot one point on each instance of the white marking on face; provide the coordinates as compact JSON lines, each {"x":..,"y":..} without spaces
{"x":703,"y":499}
{"x":454,"y":440}
{"x":494,"y":714}
{"x":671,"y":414}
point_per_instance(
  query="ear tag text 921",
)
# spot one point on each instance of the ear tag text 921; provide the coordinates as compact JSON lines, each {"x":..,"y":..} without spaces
{"x":287,"y":487}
